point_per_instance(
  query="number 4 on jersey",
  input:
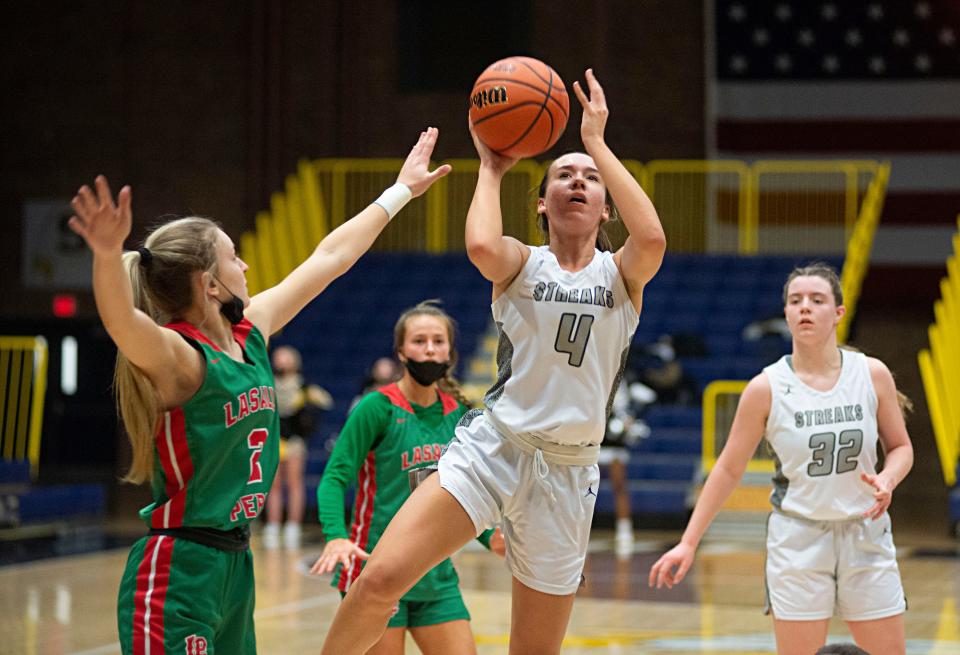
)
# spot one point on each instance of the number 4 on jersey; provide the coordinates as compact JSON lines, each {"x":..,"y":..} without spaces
{"x":573,"y":335}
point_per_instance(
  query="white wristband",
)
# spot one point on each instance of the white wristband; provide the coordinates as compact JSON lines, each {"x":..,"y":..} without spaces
{"x":394,"y":199}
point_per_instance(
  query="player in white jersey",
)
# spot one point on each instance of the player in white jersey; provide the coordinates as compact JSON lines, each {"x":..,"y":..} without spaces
{"x":566,"y":313}
{"x":829,"y":546}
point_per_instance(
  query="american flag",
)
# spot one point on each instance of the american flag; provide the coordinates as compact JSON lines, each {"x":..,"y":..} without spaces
{"x":850,"y":79}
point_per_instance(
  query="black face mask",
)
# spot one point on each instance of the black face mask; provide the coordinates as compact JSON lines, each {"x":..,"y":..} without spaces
{"x":426,"y":372}
{"x":233,"y":308}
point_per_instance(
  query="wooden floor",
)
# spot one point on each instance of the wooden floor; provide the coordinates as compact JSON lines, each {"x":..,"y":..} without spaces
{"x":66,"y":605}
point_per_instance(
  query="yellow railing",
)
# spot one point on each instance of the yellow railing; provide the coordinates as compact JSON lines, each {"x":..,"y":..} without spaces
{"x":455,"y":192}
{"x":703,"y":205}
{"x":940,"y":367}
{"x":285,"y":235}
{"x":770,"y":207}
{"x":859,"y":246}
{"x":804,"y":206}
{"x":720,"y":399}
{"x":23,"y":385}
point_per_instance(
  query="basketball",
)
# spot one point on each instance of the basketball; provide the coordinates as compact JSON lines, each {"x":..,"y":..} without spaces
{"x":519,"y":107}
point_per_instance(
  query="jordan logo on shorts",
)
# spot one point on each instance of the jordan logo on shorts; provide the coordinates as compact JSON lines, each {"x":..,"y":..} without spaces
{"x":590,"y":492}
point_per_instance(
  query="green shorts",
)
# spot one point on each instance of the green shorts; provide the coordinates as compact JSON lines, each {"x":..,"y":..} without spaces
{"x":177,"y":596}
{"x":420,"y":613}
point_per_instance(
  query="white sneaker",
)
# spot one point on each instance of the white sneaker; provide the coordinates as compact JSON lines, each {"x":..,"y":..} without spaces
{"x":623,"y":545}
{"x":271,"y":536}
{"x":623,"y":541}
{"x":291,"y":536}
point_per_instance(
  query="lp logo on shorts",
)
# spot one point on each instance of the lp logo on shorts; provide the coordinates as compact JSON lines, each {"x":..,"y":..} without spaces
{"x":196,"y":645}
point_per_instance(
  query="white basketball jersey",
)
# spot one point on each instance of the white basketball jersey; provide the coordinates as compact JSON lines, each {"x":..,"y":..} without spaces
{"x":564,"y":339}
{"x":822,"y":441}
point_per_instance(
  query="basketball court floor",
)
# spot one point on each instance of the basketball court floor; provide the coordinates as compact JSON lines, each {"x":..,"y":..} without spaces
{"x":66,"y":605}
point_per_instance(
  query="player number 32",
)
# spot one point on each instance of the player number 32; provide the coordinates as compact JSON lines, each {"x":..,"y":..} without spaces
{"x":825,"y":443}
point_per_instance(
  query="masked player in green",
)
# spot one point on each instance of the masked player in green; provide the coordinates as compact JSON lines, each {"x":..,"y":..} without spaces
{"x":195,"y":389}
{"x":399,"y":428}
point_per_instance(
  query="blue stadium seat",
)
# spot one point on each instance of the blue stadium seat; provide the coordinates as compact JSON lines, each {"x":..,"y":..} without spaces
{"x":62,"y":502}
{"x":723,"y":345}
{"x":659,"y":497}
{"x":673,"y":416}
{"x":677,"y":441}
{"x":651,"y":466}
{"x":14,"y":472}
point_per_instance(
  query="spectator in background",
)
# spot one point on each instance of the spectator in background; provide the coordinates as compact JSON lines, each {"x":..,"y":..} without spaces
{"x":383,"y":371}
{"x":660,"y":369}
{"x":298,"y":404}
{"x":770,"y":337}
{"x":625,"y":428}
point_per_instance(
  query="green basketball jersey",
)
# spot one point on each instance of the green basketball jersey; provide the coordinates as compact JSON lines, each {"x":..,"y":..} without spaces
{"x":384,"y":437}
{"x":216,"y":455}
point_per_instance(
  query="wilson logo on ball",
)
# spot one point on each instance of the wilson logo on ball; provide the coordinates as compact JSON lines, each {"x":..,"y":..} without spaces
{"x":487,"y":97}
{"x":518,"y":107}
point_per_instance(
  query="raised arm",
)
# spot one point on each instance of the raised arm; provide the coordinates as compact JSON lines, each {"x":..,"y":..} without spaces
{"x":641,"y":255}
{"x":105,"y":225}
{"x":748,"y":428}
{"x":340,"y":249}
{"x":898,"y":451}
{"x":498,"y":258}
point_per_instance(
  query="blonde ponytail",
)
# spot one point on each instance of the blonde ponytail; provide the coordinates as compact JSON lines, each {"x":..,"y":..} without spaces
{"x":138,"y":402}
{"x":162,"y":289}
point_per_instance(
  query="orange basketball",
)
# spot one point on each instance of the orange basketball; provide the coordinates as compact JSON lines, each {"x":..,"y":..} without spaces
{"x":519,"y":107}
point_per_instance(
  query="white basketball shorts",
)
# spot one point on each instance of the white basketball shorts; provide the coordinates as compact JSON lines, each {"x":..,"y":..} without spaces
{"x":817,"y":568}
{"x":544,"y":508}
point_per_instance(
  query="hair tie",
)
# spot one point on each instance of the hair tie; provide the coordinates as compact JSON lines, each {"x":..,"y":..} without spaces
{"x":145,"y":256}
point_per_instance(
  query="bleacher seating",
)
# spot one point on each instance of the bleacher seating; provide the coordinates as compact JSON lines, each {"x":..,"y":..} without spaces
{"x":711,"y":297}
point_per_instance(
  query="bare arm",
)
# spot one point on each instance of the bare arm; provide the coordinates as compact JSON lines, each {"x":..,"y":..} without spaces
{"x":104,"y":226}
{"x":499,"y":258}
{"x":340,"y":249}
{"x":749,"y":426}
{"x":642,"y":253}
{"x":893,"y":435}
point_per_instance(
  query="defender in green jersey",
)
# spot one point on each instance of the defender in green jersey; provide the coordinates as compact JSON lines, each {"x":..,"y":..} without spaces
{"x":196,"y":393}
{"x":396,"y":429}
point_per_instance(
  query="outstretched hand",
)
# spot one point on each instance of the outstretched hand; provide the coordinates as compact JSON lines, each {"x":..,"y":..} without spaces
{"x":415,"y":172}
{"x":337,"y":551}
{"x":882,"y":492}
{"x":595,"y":110}
{"x":662,"y":572}
{"x":102,"y":224}
{"x":489,"y":158}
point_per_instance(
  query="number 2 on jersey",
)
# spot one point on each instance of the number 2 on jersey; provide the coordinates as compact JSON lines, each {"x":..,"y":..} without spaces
{"x":255,"y":441}
{"x":573,"y":335}
{"x":823,"y":443}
